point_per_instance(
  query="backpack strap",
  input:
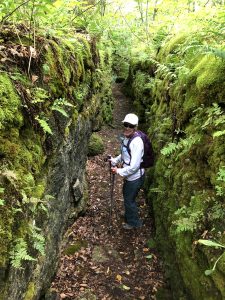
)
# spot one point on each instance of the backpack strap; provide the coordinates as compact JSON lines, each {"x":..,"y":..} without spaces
{"x":130,"y":140}
{"x":128,"y":144}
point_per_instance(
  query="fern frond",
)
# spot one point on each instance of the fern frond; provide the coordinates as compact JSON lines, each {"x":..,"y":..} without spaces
{"x":60,"y":110}
{"x":38,"y":239}
{"x":44,"y":125}
{"x":19,"y":253}
{"x":214,"y":51}
{"x":169,"y":149}
{"x":218,"y":133}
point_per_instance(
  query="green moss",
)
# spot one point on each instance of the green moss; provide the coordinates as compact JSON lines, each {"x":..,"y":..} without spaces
{"x":10,"y":114}
{"x":172,"y":44}
{"x":30,"y":292}
{"x":38,"y":189}
{"x":207,"y":78}
{"x":75,"y":247}
{"x":96,"y":145}
{"x":192,"y":273}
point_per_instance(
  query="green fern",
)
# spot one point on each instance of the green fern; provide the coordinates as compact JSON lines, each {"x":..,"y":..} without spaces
{"x":38,"y":239}
{"x":19,"y":253}
{"x":59,"y":104}
{"x":184,"y":145}
{"x":29,"y":206}
{"x":219,"y":190}
{"x":216,"y":212}
{"x":214,"y":51}
{"x":221,"y":174}
{"x":60,"y":110}
{"x":165,"y":72}
{"x":169,"y":149}
{"x":39,"y":95}
{"x":215,"y":116}
{"x":46,"y":69}
{"x":44,"y":125}
{"x":187,"y":219}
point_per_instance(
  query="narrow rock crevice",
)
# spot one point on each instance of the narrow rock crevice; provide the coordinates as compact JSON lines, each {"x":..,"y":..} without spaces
{"x":113,"y":264}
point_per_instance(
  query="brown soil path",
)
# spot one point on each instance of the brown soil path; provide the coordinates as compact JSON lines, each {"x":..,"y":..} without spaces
{"x":109,"y":264}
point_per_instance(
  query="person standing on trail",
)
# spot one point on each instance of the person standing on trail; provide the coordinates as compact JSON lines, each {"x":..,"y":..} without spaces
{"x":133,"y":174}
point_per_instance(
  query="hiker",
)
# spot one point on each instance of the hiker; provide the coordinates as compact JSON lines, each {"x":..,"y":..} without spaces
{"x":131,"y":171}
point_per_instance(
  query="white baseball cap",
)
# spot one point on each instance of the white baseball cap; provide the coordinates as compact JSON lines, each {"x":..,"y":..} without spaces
{"x":131,"y":118}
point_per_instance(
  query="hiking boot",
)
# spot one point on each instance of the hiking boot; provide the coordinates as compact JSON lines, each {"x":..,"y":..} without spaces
{"x":127,"y":226}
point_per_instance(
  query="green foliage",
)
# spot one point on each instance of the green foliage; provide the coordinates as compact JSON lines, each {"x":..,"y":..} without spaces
{"x":80,"y":94}
{"x":210,"y":243}
{"x":44,"y":125}
{"x":59,"y":104}
{"x":34,"y":238}
{"x":217,"y":52}
{"x":184,"y":145}
{"x":188,"y":220}
{"x":39,"y":95}
{"x":221,"y":174}
{"x":46,"y":69}
{"x":26,"y":11}
{"x":217,"y":211}
{"x":215,"y":116}
{"x":169,"y":149}
{"x":38,"y":239}
{"x":20,"y":253}
{"x":165,"y":72}
{"x":220,"y":186}
{"x":2,"y":202}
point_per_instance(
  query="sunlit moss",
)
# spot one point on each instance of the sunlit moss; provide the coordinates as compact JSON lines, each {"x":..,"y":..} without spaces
{"x":10,"y":105}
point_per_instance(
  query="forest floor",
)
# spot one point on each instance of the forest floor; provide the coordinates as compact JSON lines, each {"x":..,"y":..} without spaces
{"x":105,"y":261}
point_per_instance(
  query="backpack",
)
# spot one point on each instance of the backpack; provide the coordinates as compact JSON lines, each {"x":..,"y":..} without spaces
{"x":148,"y":156}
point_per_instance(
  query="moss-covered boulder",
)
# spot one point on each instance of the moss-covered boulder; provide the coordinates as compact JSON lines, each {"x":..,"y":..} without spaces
{"x":96,"y":145}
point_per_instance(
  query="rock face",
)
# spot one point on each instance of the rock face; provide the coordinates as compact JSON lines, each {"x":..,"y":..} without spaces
{"x":46,"y":122}
{"x":181,"y":96}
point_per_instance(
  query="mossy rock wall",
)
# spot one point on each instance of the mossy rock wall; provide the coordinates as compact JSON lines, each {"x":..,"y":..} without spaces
{"x":51,"y":100}
{"x":181,"y":97}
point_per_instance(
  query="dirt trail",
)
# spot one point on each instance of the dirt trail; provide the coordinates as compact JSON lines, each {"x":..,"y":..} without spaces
{"x":103,"y":264}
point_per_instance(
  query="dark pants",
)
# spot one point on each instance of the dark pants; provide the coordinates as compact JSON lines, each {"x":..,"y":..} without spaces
{"x":130,"y":192}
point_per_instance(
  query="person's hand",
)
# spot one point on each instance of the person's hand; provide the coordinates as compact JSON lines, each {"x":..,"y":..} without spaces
{"x":114,"y":170}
